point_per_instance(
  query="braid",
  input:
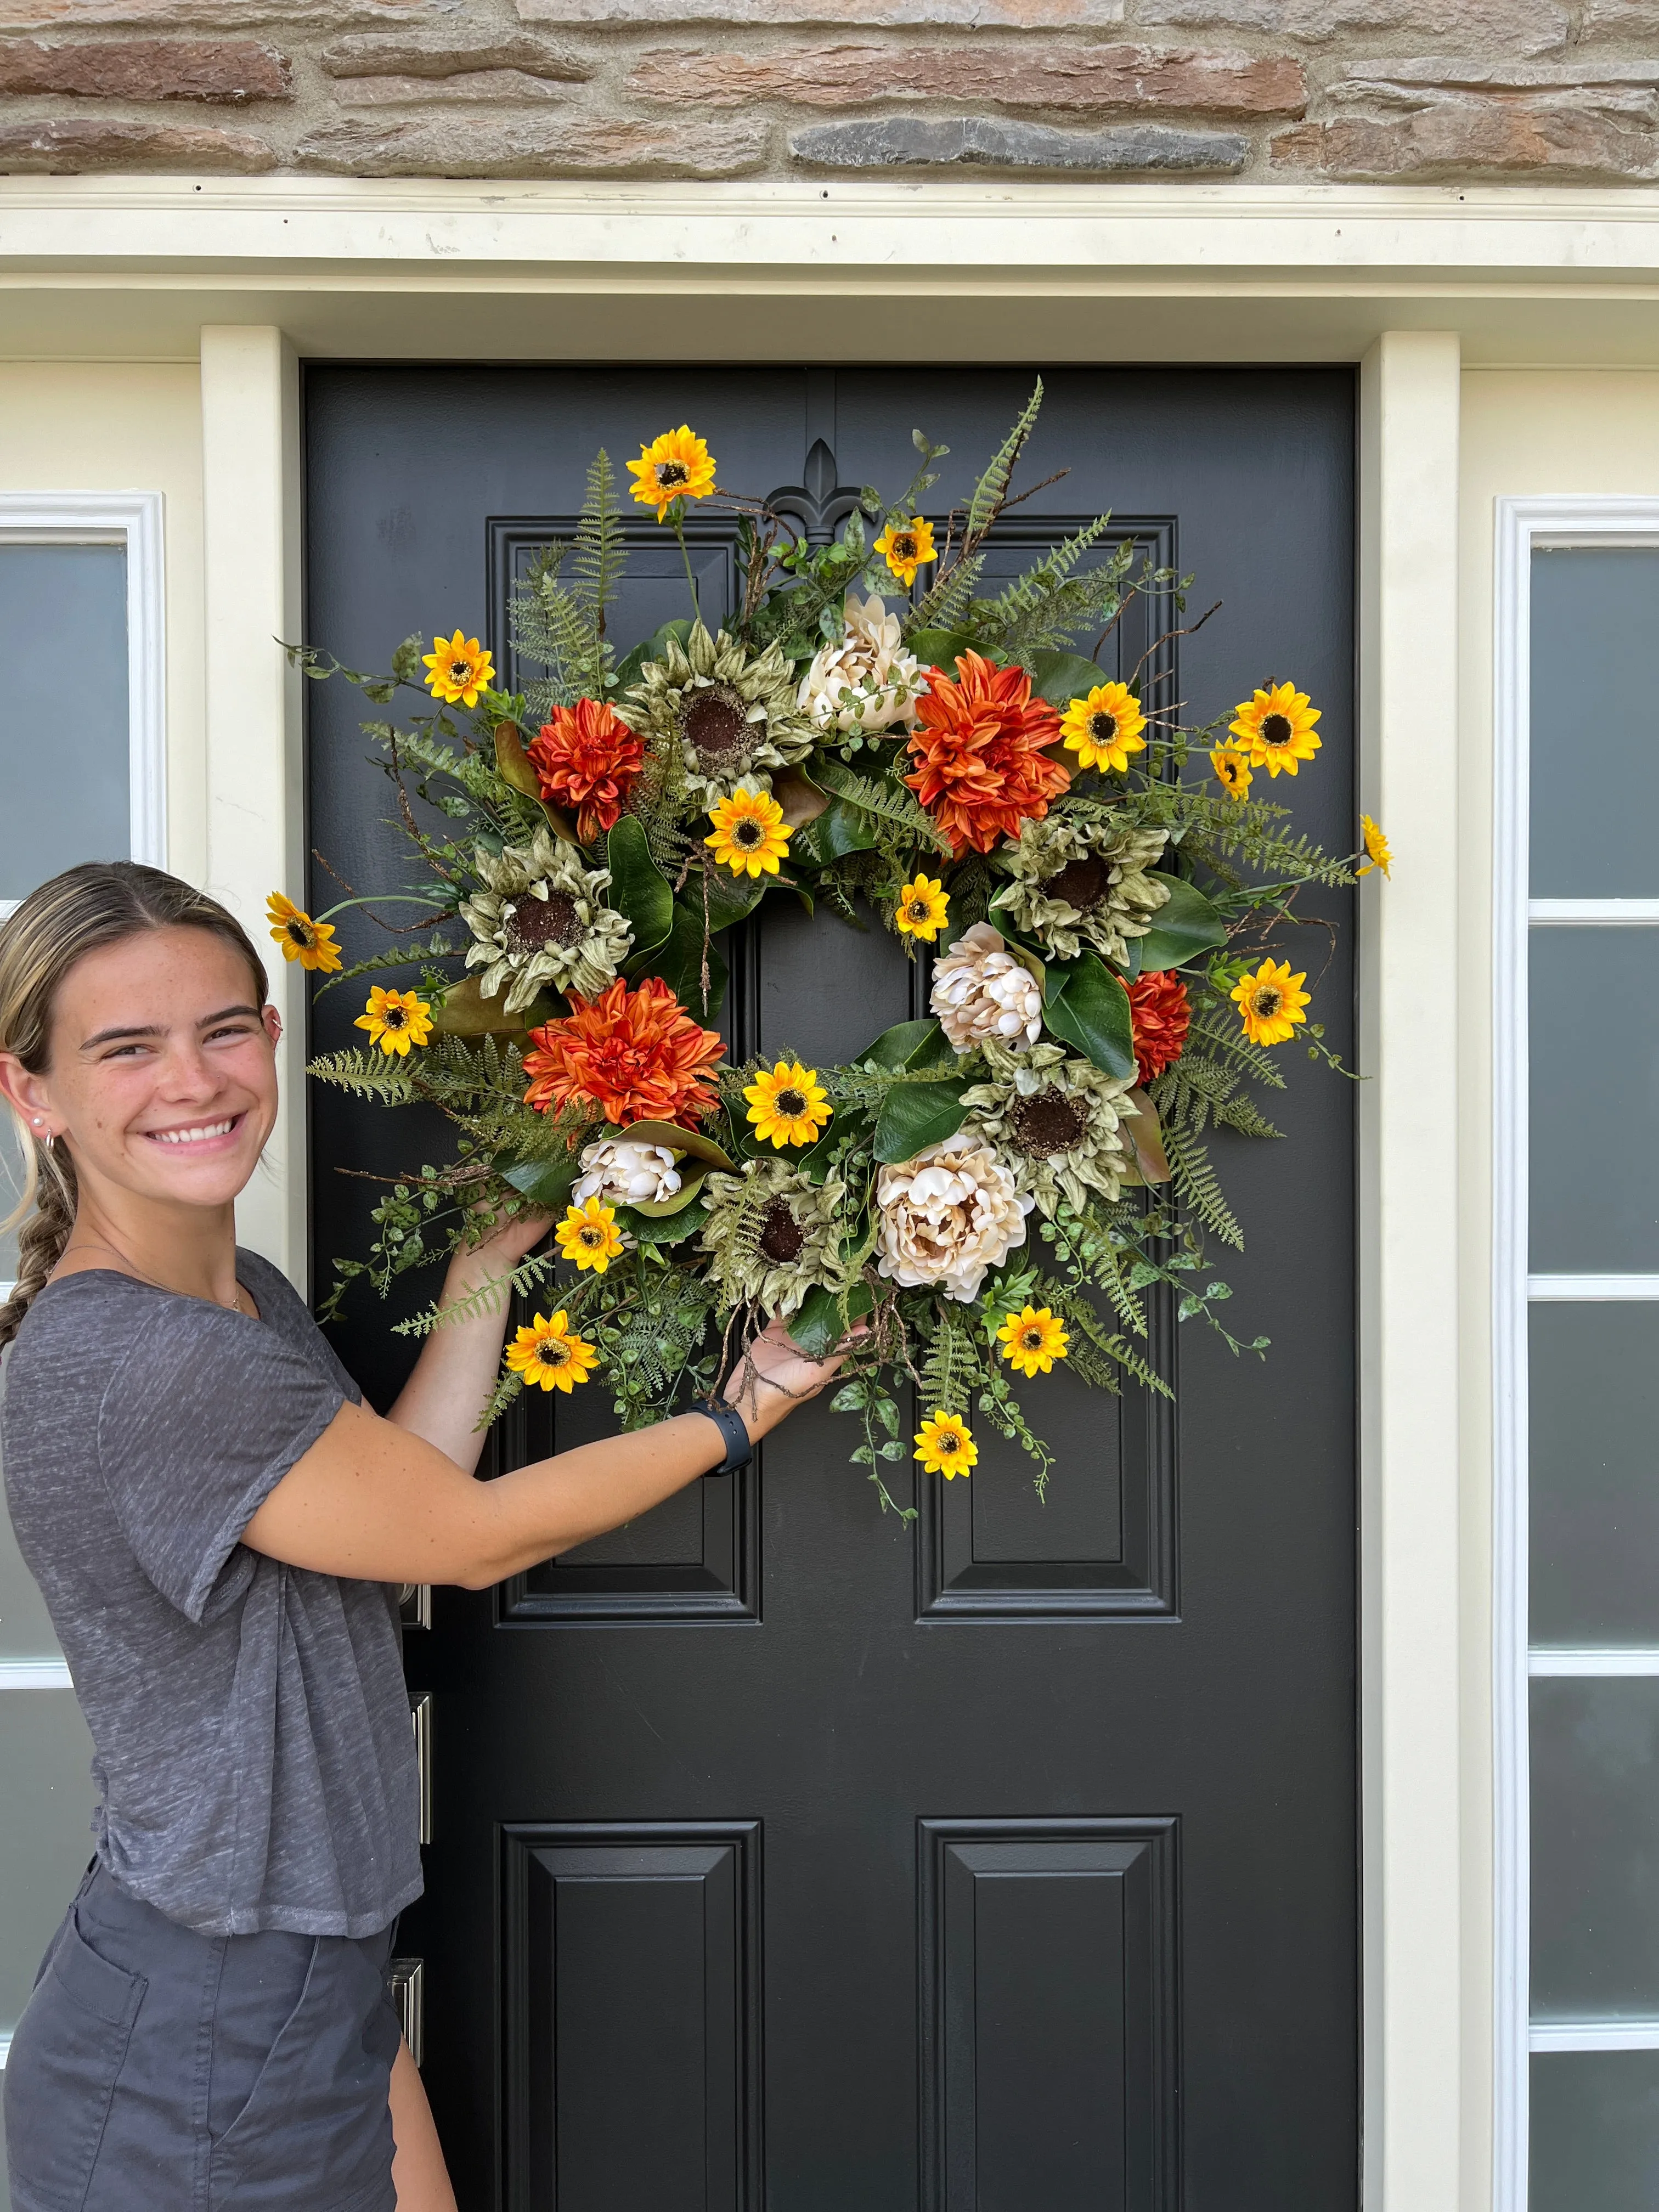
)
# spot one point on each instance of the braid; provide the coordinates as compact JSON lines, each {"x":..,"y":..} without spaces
{"x":42,"y":1239}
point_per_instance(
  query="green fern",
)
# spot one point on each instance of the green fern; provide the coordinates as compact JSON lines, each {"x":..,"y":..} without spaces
{"x":1194,"y":1178}
{"x":946,"y":604}
{"x":601,"y":551}
{"x":952,"y":1368}
{"x":365,"y":1075}
{"x":991,"y":490}
{"x":887,"y":802}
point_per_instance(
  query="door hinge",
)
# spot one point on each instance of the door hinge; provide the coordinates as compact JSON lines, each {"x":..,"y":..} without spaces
{"x":409,"y":1994}
{"x":420,"y":1714}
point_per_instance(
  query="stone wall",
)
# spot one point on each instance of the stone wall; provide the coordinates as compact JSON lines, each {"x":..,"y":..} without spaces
{"x":1368,"y":90}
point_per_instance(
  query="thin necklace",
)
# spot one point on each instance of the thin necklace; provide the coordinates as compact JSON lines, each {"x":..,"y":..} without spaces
{"x":96,"y":1245}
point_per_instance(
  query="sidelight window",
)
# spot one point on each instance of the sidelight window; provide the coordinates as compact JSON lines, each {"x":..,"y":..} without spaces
{"x":1577,"y":1213}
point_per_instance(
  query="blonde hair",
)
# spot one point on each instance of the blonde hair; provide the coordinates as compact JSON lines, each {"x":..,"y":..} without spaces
{"x":100,"y":902}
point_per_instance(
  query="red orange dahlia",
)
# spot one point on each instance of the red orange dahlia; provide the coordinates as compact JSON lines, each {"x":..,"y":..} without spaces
{"x":638,"y":1055}
{"x":588,"y":757}
{"x":979,"y":741}
{"x":1160,"y":1011}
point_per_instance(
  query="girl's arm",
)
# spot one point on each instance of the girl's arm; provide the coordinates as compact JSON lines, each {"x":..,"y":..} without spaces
{"x":373,"y":1501}
{"x":451,"y":1381}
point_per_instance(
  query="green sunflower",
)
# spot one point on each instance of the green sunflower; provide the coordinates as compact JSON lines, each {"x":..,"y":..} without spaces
{"x":1054,"y":1121}
{"x":1078,"y":882}
{"x":771,"y":1235}
{"x":731,"y":712}
{"x":539,"y":919}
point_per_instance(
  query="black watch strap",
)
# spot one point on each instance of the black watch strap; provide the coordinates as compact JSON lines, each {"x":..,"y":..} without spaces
{"x":730,"y":1423}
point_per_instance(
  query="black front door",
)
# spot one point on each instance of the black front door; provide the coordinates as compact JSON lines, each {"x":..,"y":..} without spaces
{"x":785,"y":1854}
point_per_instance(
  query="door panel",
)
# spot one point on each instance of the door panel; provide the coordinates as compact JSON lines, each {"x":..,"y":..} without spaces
{"x":1006,"y":1859}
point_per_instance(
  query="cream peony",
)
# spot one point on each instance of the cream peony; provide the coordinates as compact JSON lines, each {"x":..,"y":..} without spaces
{"x":982,"y":990}
{"x":866,"y":683}
{"x":625,"y":1174}
{"x":948,"y":1215}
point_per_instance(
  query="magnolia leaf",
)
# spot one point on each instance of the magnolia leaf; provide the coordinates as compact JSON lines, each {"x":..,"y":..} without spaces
{"x":664,"y":1209}
{"x":840,"y":828}
{"x":639,"y":890}
{"x":731,"y":897}
{"x":1089,"y":1008}
{"x":692,"y":1142}
{"x":911,"y":1044}
{"x":465,"y":1013}
{"x":627,"y":671}
{"x":1059,"y":677}
{"x":1141,"y":1127}
{"x":939,"y":649}
{"x":1186,"y":925}
{"x":799,"y":798}
{"x":513,"y":765}
{"x":545,"y":1183}
{"x":915,"y":1114}
{"x":678,"y":960}
{"x":634,"y":1221}
{"x":817,"y":1329}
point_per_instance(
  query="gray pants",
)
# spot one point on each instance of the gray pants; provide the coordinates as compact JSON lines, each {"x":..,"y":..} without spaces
{"x":158,"y":2070}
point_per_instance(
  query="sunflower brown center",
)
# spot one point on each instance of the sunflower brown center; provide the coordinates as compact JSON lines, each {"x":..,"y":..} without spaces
{"x":553,"y":1352}
{"x":748,"y":831}
{"x":301,"y":934}
{"x":1102,"y":727}
{"x":395,"y":1018}
{"x":1266,"y":1002}
{"x":591,"y":1237}
{"x":670,"y":473}
{"x":1081,"y":883}
{"x":919,"y":910}
{"x":1032,"y":1339}
{"x":1276,"y":730}
{"x":904,"y":546}
{"x":950,"y":1440}
{"x":781,"y":1235}
{"x":715,"y":722}
{"x":459,"y":671}
{"x":533,"y":923}
{"x":1048,"y":1123}
{"x":791,"y":1104}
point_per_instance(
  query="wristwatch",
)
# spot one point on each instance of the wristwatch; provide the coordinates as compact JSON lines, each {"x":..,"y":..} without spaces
{"x":730,"y":1423}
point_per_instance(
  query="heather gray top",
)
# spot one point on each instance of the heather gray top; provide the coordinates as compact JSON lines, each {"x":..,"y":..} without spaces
{"x":254,"y":1765}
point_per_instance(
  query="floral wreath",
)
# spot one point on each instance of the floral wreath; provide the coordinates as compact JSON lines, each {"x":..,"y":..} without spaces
{"x":979,"y":1195}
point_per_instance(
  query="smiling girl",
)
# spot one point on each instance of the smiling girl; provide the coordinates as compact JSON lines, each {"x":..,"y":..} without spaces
{"x":218,"y":1523}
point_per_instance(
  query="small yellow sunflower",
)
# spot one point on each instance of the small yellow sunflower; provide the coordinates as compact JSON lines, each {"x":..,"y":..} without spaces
{"x":1104,"y":727}
{"x":311,"y":942}
{"x":1033,"y":1339}
{"x":588,"y":1236}
{"x":1271,"y":1002}
{"x":547,"y":1353}
{"x":788,"y":1106}
{"x":906,"y":545}
{"x":922,"y":907}
{"x":1378,"y":852}
{"x":749,"y":837}
{"x":944,"y":1446}
{"x":396,"y":1020}
{"x":460,"y":668}
{"x":1277,"y":726}
{"x":1232,"y":771}
{"x":676,"y":465}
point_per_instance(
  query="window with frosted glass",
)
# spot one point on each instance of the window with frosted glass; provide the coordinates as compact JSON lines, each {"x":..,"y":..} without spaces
{"x":1592,"y":1261}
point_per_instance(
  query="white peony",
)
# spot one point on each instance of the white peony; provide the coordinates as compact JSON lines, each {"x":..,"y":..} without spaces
{"x":868,"y":682}
{"x":982,"y":990}
{"x":948,"y":1215}
{"x":625,"y":1174}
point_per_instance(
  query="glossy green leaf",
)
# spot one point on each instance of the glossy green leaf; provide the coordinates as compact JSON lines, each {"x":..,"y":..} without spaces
{"x":672,"y":1230}
{"x":915,"y":1115}
{"x":628,"y":670}
{"x":1059,"y":677}
{"x":910,"y":1044}
{"x":1186,"y":925}
{"x":465,"y":1013}
{"x":816,"y":1329}
{"x":1088,"y":1008}
{"x":546,"y":1183}
{"x":678,"y":960}
{"x":692,"y":1142}
{"x":513,"y":765}
{"x":639,"y":889}
{"x":840,"y":828}
{"x":731,"y":898}
{"x":939,"y":649}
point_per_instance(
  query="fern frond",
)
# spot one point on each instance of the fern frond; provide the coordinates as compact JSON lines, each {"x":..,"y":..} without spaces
{"x":365,"y":1075}
{"x":945,"y":604}
{"x":992,"y":489}
{"x":1194,"y":1178}
{"x":887,"y":802}
{"x":952,"y":1368}
{"x":601,"y":553}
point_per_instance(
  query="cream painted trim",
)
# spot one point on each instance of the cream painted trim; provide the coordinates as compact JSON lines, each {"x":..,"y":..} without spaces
{"x":133,"y":519}
{"x":35,"y":1675}
{"x":1411,"y":1743}
{"x":255,"y":798}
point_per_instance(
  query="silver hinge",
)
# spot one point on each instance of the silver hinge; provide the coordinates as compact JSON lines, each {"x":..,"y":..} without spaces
{"x":420,"y":1714}
{"x":409,"y":1994}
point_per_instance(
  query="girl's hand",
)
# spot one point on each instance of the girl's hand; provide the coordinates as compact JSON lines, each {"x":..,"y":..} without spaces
{"x":500,"y":1252}
{"x":774,"y":1377}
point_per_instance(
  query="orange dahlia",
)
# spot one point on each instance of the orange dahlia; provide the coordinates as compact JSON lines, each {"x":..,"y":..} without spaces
{"x":1159,"y":1010}
{"x":979,"y":745}
{"x":588,"y":757}
{"x":638,"y":1055}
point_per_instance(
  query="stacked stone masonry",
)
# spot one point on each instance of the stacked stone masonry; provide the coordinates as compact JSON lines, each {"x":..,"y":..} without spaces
{"x":1375,"y":91}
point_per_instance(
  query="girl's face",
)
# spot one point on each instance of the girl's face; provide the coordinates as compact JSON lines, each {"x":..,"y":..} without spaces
{"x":162,"y":1080}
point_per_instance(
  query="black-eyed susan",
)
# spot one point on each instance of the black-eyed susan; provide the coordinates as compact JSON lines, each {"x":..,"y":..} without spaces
{"x":1232,"y":771}
{"x":676,"y":465}
{"x":311,"y":942}
{"x":1271,"y":1002}
{"x":1105,"y":726}
{"x":1033,"y":1339}
{"x":907,"y":544}
{"x":787,"y":1104}
{"x":944,"y":1445}
{"x":458,"y":668}
{"x":1379,"y":851}
{"x":749,"y":837}
{"x":1277,"y":727}
{"x":588,"y":1236}
{"x":923,"y":905}
{"x":396,"y":1020}
{"x":546,"y":1353}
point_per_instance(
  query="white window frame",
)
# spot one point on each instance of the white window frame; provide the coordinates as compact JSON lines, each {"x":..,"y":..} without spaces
{"x":1523,"y":525}
{"x":131,"y":519}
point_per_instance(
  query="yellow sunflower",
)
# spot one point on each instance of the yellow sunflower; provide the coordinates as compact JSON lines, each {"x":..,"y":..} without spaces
{"x":311,"y":942}
{"x":676,"y":465}
{"x":906,"y":545}
{"x":1271,"y":1002}
{"x":460,"y":668}
{"x":1277,"y":726}
{"x":787,"y":1107}
{"x":396,"y":1020}
{"x":547,"y":1353}
{"x":922,"y":906}
{"x":1033,"y":1339}
{"x":1232,"y":771}
{"x":588,"y":1236}
{"x":749,"y":837}
{"x":1378,"y":852}
{"x":1104,"y":727}
{"x":944,"y":1446}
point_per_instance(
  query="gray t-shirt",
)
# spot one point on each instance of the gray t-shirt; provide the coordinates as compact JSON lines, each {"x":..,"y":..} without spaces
{"x":255,"y":1765}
